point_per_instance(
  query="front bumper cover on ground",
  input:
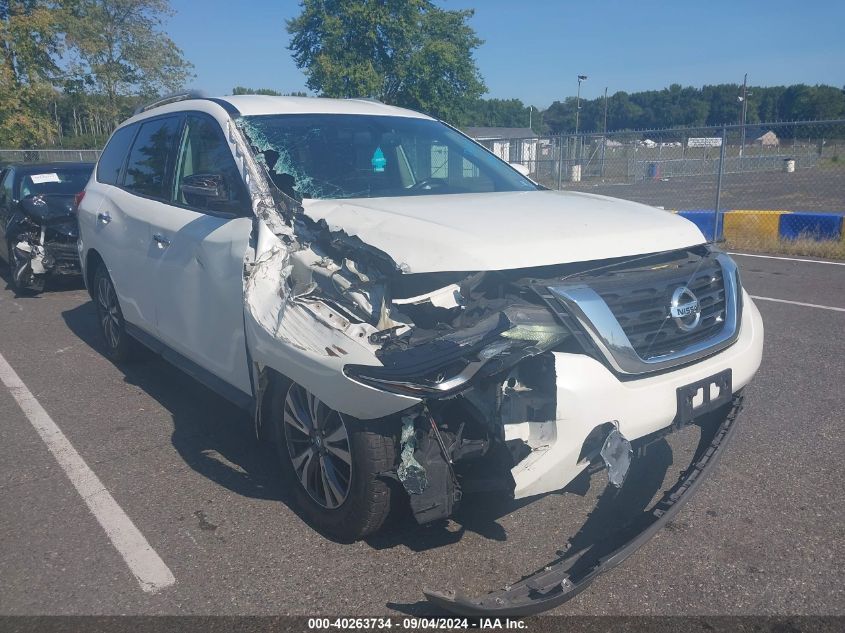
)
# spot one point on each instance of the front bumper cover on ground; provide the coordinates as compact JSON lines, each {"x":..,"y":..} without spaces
{"x":565,"y":578}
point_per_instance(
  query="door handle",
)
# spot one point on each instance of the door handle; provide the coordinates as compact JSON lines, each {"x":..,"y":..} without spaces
{"x":161,"y":241}
{"x":104,"y":218}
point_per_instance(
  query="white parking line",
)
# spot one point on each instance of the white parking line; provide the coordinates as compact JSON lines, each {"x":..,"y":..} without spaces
{"x":791,"y":259}
{"x":143,"y":562}
{"x":799,"y":303}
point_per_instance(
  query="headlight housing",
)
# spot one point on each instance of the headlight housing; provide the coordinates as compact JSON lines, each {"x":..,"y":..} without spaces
{"x":447,"y":364}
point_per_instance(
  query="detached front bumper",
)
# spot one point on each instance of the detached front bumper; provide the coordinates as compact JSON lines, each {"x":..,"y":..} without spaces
{"x":564,"y":578}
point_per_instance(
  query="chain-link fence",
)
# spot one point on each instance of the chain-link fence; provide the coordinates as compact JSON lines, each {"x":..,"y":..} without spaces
{"x":8,"y":156}
{"x":766,"y":187}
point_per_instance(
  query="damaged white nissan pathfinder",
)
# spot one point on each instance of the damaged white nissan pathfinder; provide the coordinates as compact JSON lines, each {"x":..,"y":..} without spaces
{"x":406,"y":314}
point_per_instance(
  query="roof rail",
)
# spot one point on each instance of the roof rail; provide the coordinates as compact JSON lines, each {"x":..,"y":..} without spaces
{"x":171,"y":98}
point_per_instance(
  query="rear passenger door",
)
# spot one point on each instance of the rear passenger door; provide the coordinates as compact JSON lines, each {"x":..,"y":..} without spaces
{"x":138,"y":192}
{"x":200,"y":240}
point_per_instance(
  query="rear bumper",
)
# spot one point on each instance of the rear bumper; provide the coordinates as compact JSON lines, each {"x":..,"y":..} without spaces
{"x":564,"y":578}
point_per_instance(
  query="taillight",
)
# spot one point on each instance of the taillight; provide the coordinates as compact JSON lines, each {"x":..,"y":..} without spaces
{"x":77,"y":199}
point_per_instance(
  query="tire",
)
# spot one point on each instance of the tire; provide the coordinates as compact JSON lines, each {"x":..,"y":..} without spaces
{"x":120,"y":347}
{"x":359,"y":500}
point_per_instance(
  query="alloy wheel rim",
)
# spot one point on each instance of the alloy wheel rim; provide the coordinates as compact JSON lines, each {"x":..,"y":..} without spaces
{"x":318,"y":446}
{"x":109,"y":312}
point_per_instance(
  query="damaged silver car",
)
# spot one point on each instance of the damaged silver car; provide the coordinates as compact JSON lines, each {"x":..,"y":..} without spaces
{"x":407,"y":315}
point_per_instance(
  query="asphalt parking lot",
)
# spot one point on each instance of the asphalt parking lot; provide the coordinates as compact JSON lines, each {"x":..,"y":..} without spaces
{"x":765,"y":535}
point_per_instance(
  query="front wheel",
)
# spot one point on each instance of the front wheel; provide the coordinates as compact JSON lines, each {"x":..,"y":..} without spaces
{"x":333,"y":463}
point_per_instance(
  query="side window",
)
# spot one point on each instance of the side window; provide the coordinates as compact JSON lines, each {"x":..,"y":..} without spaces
{"x":207,"y":177}
{"x":114,"y":155}
{"x":147,"y":171}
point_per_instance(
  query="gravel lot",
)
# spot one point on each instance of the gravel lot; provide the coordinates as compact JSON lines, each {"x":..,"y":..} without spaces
{"x":765,"y":535}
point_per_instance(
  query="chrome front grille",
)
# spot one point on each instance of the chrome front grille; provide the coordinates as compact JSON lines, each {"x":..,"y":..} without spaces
{"x":642,"y":308}
{"x":625,"y":309}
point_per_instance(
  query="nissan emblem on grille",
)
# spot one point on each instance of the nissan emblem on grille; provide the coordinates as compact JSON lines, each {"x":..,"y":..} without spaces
{"x":685,"y":309}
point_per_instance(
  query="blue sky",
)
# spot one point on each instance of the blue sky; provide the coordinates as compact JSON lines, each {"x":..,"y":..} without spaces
{"x":534,"y":49}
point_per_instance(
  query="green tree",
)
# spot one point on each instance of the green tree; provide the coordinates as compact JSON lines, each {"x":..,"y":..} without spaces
{"x":409,"y":53}
{"x":240,"y":90}
{"x":499,"y":113}
{"x":121,"y":49}
{"x":29,"y":42}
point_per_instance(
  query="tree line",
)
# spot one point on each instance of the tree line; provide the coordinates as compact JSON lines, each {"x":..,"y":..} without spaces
{"x":71,"y":70}
{"x":678,"y":106}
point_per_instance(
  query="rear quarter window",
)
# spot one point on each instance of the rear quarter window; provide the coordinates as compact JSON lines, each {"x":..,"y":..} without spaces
{"x":114,"y":155}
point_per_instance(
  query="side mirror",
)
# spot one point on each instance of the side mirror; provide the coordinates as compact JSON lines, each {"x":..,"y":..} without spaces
{"x":522,"y":169}
{"x":209,"y":187}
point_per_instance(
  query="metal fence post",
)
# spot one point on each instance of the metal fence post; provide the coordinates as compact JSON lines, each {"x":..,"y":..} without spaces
{"x":717,"y":228}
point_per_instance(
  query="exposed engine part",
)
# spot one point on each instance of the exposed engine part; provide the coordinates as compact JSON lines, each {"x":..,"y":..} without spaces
{"x":425,"y":469}
{"x":410,"y":472}
{"x":442,"y":493}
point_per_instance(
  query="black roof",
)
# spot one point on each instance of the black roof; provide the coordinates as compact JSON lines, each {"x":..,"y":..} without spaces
{"x":32,"y":167}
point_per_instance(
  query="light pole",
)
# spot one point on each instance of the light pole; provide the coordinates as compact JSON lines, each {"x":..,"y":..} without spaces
{"x":578,"y":147}
{"x":578,"y":102}
{"x":743,"y":99}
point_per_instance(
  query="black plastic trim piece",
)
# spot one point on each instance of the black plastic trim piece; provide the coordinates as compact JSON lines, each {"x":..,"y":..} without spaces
{"x":219,"y":386}
{"x":686,"y":394}
{"x":553,"y":585}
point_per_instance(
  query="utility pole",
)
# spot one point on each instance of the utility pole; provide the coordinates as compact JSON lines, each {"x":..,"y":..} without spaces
{"x":530,"y":108}
{"x":744,"y":101}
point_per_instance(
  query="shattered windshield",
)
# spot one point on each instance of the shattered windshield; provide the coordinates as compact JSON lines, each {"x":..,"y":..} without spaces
{"x":366,"y":156}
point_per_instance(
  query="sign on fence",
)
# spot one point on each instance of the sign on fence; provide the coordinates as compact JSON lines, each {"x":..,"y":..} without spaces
{"x":713,"y":141}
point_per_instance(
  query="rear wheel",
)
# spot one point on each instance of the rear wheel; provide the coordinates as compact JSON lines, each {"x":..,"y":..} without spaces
{"x":332,"y":463}
{"x":119,"y":345}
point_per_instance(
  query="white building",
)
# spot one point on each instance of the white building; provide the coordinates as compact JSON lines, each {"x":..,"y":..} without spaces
{"x":511,"y":144}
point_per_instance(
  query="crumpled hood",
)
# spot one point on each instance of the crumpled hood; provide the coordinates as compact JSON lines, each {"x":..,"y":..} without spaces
{"x":50,"y":208}
{"x":502,"y":231}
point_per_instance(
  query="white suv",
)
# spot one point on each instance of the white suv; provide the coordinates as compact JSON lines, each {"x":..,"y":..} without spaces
{"x":407,"y":315}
